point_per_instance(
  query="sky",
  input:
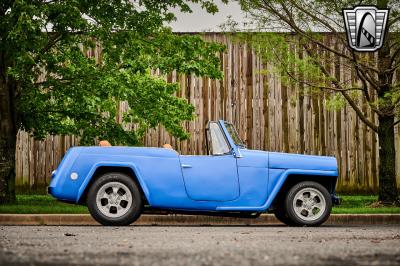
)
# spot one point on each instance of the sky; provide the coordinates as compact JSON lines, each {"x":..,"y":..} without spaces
{"x":200,"y":20}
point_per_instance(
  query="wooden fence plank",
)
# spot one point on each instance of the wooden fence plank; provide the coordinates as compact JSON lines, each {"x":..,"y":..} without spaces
{"x":270,"y":115}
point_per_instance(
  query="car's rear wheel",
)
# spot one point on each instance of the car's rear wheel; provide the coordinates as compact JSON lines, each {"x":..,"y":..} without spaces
{"x":308,"y":204}
{"x":114,"y":199}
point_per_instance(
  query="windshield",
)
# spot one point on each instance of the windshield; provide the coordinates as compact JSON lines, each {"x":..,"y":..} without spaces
{"x":217,"y":143}
{"x":235,"y":136}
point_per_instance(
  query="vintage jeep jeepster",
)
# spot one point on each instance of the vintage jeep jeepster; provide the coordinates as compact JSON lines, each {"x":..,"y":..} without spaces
{"x":119,"y":183}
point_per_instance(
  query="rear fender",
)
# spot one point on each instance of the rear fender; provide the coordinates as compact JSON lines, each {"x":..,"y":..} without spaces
{"x":132,"y":166}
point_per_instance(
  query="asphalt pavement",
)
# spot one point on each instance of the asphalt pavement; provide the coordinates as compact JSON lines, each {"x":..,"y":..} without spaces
{"x":200,"y":245}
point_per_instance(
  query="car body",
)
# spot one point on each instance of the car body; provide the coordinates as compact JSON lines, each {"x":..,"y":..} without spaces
{"x":229,"y":180}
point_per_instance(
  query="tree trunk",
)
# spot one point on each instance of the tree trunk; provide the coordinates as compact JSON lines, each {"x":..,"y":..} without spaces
{"x":388,"y":193}
{"x":7,"y":141}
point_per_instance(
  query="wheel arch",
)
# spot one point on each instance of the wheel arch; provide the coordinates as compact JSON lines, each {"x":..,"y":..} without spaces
{"x":327,"y":179}
{"x":106,"y":167}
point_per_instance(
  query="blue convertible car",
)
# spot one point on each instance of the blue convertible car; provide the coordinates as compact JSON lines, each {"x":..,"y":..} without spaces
{"x":119,"y":183}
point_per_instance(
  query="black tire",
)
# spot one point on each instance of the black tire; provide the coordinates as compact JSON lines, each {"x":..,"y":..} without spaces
{"x":281,"y":215}
{"x":296,"y":218}
{"x":130,"y":214}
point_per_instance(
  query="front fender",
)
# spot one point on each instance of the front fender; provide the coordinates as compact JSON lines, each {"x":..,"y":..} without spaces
{"x":277,"y":182}
{"x":132,"y":166}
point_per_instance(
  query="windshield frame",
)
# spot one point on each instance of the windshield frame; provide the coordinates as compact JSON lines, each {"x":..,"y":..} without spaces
{"x":234,"y":134}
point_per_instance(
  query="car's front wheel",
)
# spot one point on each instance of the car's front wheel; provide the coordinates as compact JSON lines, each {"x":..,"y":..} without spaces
{"x":281,"y":215}
{"x":308,"y":204}
{"x":114,"y":199}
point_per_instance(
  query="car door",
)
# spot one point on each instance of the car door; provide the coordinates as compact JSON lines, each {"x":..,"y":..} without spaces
{"x":212,"y":177}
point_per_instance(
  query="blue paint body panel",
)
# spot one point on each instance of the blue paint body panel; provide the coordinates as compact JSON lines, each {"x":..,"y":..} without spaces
{"x":300,"y":161}
{"x":210,"y":178}
{"x":244,"y":180}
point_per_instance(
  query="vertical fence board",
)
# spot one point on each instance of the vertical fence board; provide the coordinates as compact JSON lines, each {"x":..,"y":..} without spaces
{"x":269,"y":114}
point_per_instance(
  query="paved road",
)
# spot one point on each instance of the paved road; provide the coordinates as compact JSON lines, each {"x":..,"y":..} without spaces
{"x":207,"y":245}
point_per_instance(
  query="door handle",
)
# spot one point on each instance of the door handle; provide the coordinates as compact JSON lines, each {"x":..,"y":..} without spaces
{"x":186,"y":166}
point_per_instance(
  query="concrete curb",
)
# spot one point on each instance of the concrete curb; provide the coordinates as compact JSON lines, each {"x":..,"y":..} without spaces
{"x":265,"y":219}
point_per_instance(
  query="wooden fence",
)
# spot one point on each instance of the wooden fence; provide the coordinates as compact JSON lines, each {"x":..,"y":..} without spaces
{"x":268,"y":114}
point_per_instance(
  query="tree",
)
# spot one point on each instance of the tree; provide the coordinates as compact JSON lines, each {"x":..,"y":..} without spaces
{"x":376,"y":82}
{"x":48,"y":85}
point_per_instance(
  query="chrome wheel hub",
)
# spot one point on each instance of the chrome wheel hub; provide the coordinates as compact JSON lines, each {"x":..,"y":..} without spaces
{"x":309,"y":204}
{"x":114,"y":199}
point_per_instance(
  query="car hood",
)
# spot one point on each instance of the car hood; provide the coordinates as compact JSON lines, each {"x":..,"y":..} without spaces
{"x":301,"y":161}
{"x":278,"y":160}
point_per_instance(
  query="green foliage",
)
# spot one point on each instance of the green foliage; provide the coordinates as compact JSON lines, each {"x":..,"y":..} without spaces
{"x":60,"y":90}
{"x":336,"y":102}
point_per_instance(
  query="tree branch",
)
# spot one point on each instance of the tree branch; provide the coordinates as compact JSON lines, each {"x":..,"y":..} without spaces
{"x":326,"y":24}
{"x":395,"y":123}
{"x":288,"y":19}
{"x":344,"y":93}
{"x":393,"y":21}
{"x":368,"y":98}
{"x":339,"y":88}
{"x":52,"y":41}
{"x":394,"y":55}
{"x":363,"y":73}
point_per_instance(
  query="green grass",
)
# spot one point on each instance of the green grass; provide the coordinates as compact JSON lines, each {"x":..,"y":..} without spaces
{"x":41,"y":204}
{"x":360,"y":204}
{"x":46,"y":204}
